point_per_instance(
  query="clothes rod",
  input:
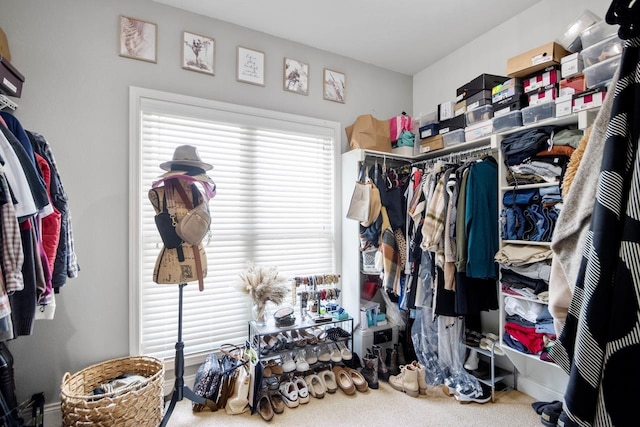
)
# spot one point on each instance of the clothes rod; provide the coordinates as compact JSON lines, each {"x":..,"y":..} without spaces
{"x":472,"y":152}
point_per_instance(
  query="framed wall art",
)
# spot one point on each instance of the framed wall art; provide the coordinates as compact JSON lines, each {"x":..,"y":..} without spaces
{"x":198,"y":53}
{"x":334,"y":83}
{"x":138,"y":39}
{"x":250,"y":66}
{"x":296,"y":76}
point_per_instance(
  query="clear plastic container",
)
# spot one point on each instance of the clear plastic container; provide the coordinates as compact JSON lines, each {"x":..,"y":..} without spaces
{"x":596,"y":33}
{"x":454,"y":137}
{"x":507,"y":121}
{"x":537,"y":113}
{"x":570,"y":38}
{"x":602,"y":72}
{"x":478,"y":130}
{"x":602,"y":51}
{"x":479,"y":114}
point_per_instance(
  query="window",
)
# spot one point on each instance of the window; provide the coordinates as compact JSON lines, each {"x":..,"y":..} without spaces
{"x":276,"y":205}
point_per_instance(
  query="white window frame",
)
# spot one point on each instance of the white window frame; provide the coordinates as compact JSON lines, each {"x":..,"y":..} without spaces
{"x":136,"y":97}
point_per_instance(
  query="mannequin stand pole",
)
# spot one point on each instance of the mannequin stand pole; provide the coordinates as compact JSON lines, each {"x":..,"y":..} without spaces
{"x":180,"y":391}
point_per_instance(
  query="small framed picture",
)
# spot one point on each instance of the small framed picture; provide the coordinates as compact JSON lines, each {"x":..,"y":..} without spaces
{"x":138,"y":39}
{"x":250,"y":66}
{"x":198,"y":53}
{"x":334,"y":85}
{"x":296,"y":76}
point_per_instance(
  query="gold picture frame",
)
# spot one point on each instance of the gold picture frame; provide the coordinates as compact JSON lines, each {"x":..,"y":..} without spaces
{"x":250,"y":66}
{"x":334,"y":85}
{"x":296,"y":76}
{"x":138,"y":39}
{"x":198,"y":53}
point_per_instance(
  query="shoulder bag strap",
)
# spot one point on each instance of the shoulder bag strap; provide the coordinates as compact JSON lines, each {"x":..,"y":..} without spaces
{"x":196,"y":250}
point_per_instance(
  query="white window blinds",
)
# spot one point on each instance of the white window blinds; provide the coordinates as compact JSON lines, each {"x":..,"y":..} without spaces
{"x":276,"y":205}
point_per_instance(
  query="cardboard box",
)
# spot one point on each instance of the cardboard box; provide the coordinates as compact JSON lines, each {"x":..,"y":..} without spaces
{"x":564,"y":105}
{"x":571,"y":65}
{"x":546,"y":77}
{"x":590,"y":99}
{"x":432,"y":144}
{"x":4,"y":45}
{"x":482,"y":82}
{"x":573,"y":85}
{"x":544,"y":94}
{"x":536,"y":59}
{"x":10,"y":79}
{"x":445,"y":110}
{"x":460,"y":108}
{"x":458,"y":122}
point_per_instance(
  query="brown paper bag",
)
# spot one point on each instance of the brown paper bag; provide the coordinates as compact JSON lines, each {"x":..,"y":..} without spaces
{"x":369,"y":133}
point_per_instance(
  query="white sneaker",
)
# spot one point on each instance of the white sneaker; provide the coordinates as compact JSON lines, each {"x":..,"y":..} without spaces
{"x":288,"y":365}
{"x":472,"y":361}
{"x":301,"y":361}
{"x":289,"y":393}
{"x":303,"y":390}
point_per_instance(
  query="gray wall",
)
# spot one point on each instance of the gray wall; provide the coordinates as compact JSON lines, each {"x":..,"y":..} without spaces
{"x":76,"y":95}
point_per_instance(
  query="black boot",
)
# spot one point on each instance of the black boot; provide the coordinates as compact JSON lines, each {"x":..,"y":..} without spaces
{"x":383,"y":371}
{"x":7,"y":382}
{"x":370,"y":371}
{"x":394,"y":368}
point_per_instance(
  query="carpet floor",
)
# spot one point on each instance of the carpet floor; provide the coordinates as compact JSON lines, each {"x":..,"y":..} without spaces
{"x":382,"y":407}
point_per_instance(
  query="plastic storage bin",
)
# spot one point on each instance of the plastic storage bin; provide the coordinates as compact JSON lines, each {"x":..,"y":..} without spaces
{"x":606,"y":49}
{"x":571,"y":39}
{"x":507,"y":121}
{"x":596,"y":33}
{"x":537,"y":113}
{"x":454,"y":137}
{"x":601,"y":73}
{"x":479,"y":114}
{"x":478,"y":130}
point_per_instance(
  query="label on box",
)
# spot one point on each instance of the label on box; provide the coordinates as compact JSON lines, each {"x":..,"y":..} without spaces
{"x":443,"y":130}
{"x":445,"y":110}
{"x":6,"y":83}
{"x":541,"y":58}
{"x":509,"y":84}
{"x":506,"y":93}
{"x":425,"y":133}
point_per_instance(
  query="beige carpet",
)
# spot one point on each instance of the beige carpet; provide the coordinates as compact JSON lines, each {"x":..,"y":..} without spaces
{"x":382,"y":407}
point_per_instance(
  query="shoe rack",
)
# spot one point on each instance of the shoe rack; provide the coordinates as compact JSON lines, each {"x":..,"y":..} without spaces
{"x":491,"y":374}
{"x":303,"y":329}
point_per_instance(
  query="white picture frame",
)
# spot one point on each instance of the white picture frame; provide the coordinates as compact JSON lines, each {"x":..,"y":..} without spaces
{"x":334,"y":85}
{"x":198,"y":53}
{"x":138,"y":39}
{"x":250,"y":66}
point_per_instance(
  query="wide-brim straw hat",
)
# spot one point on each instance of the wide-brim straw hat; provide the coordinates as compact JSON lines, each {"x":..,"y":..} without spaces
{"x":185,"y":155}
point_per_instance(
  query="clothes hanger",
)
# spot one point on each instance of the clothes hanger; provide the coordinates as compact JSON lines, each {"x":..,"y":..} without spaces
{"x":625,"y":13}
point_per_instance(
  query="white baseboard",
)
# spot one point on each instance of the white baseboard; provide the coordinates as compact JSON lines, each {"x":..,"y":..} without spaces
{"x":53,"y":413}
{"x":538,"y":391}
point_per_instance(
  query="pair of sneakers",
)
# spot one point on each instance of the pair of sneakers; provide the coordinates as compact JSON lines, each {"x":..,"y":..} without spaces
{"x":294,"y":392}
{"x":295,"y":361}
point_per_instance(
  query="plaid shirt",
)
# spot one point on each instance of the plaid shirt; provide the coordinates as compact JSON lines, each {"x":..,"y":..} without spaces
{"x":12,"y":253}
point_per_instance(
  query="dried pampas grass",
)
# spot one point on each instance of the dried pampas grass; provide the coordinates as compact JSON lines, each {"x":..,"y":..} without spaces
{"x":263,"y":284}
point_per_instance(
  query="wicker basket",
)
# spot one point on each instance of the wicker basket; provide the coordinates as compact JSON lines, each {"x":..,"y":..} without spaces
{"x":138,"y":405}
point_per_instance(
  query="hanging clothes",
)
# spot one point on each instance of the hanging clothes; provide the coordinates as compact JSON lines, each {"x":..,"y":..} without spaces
{"x":599,"y":345}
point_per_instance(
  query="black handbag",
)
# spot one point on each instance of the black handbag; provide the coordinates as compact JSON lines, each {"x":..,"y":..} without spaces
{"x":166,"y":227}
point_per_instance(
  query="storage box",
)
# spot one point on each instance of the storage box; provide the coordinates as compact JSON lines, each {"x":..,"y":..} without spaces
{"x":570,"y":38}
{"x":546,"y":77}
{"x":460,"y":108}
{"x":509,"y":88}
{"x":507,"y":121}
{"x":482,"y":82}
{"x":445,"y":110}
{"x":536,"y":59}
{"x":454,"y":137}
{"x":564,"y":105}
{"x":601,"y":73}
{"x":479,"y":114}
{"x":596,"y":33}
{"x":602,"y":51}
{"x":478,"y":99}
{"x":403,"y":151}
{"x":542,"y":95}
{"x":537,"y":113}
{"x":506,"y":109}
{"x":10,"y":79}
{"x":431,"y":144}
{"x":478,"y":130}
{"x":458,"y":122}
{"x":385,"y":336}
{"x":429,"y":129}
{"x":590,"y":99}
{"x":571,"y":65}
{"x":572,"y":85}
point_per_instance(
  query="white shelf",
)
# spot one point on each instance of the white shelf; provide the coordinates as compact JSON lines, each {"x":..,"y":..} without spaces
{"x":529,"y":186}
{"x":526,"y":242}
